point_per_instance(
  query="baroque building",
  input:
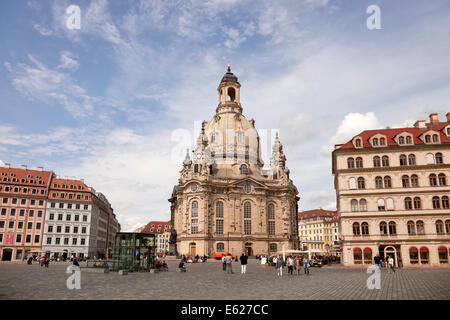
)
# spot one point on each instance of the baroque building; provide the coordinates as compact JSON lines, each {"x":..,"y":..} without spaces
{"x":393,"y":194}
{"x":225,"y":201}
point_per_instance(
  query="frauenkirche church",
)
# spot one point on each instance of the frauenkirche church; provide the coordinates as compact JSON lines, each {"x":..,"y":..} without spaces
{"x":225,"y":201}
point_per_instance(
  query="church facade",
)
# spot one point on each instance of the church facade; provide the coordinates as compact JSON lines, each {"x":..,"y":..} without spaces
{"x":225,"y":201}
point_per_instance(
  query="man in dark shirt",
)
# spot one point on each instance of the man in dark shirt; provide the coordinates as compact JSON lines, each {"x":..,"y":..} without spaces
{"x":243,"y":259}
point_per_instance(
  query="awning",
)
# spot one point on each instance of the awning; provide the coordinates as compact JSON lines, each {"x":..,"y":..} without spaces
{"x":423,"y":249}
{"x":367,"y":250}
{"x":356,"y":249}
{"x":442,"y":249}
{"x":36,"y":251}
{"x":77,"y":251}
{"x":413,"y":249}
{"x":57,"y":251}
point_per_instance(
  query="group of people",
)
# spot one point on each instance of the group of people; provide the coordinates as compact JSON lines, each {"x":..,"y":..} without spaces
{"x":390,"y":263}
{"x":291,"y":262}
{"x":228,"y":260}
{"x":195,"y":259}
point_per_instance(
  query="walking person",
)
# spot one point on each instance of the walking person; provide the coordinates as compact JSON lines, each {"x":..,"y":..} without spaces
{"x":391,"y":264}
{"x":46,"y":261}
{"x":290,"y":264}
{"x":243,"y":259}
{"x":75,"y":262}
{"x":377,"y":261}
{"x":229,"y":260}
{"x":224,"y":263}
{"x":306,"y":265}
{"x":279,"y":266}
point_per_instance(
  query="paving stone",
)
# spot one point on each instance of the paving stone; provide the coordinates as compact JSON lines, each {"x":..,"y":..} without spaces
{"x":208,"y":281}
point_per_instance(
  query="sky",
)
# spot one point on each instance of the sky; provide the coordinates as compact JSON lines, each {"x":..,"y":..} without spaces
{"x":117,"y":101}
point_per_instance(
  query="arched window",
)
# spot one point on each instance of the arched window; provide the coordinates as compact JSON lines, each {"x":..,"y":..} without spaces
{"x":439,"y":158}
{"x":358,"y":143}
{"x":435,"y":138}
{"x":419,"y":227}
{"x":408,"y":203}
{"x":356,"y":230}
{"x":213,"y":137}
{"x":408,"y":140}
{"x":414,"y":181}
{"x":447,"y":226}
{"x":361,"y":183}
{"x":375,"y":141}
{"x":376,"y":161}
{"x":359,"y":162}
{"x":442,"y":179}
{"x":417,"y":203}
{"x":403,"y":161}
{"x":352,"y":183}
{"x":381,"y":206}
{"x":194,"y":207}
{"x":433,"y":180}
{"x":443,"y":254}
{"x":379,"y":182}
{"x":362,"y":205}
{"x":424,"y":255}
{"x":389,"y":204}
{"x":412,"y":160}
{"x":411,"y":228}
{"x":243,"y":169}
{"x":247,"y":209}
{"x":413,"y":255}
{"x":401,"y":140}
{"x":427,"y":138}
{"x":220,"y":247}
{"x":387,"y":182}
{"x":439,"y":227}
{"x":219,"y":209}
{"x":357,"y":256}
{"x":405,"y":181}
{"x":365,"y":229}
{"x":445,"y":203}
{"x":354,"y":205}
{"x":231,"y":94}
{"x":430,"y":158}
{"x":392,"y":228}
{"x":436,"y":203}
{"x":385,"y":161}
{"x":383,"y":228}
{"x":350,"y":163}
{"x":382,"y":141}
{"x":270,"y":211}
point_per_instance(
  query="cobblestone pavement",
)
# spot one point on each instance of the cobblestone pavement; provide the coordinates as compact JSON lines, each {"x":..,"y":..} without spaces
{"x":208,"y":281}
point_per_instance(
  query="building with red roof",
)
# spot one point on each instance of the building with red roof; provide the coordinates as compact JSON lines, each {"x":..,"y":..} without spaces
{"x":318,"y":231}
{"x":41,"y":212}
{"x":162,"y":231}
{"x":393,"y":194}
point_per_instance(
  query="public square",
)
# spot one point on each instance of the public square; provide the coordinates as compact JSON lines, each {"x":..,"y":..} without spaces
{"x":207,"y":281}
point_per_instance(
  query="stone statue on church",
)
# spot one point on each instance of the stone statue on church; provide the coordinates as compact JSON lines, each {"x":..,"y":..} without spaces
{"x":173,"y":243}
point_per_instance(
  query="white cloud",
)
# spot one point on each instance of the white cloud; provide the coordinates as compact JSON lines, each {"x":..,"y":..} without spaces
{"x":353,"y":124}
{"x":67,"y":61}
{"x":42,"y":30}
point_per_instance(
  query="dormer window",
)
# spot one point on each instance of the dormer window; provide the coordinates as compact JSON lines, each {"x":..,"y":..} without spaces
{"x":401,"y":140}
{"x":408,"y":140}
{"x":435,"y":138}
{"x":382,"y":141}
{"x":428,"y":138}
{"x":375,"y":142}
{"x":358,"y":143}
{"x":448,"y":131}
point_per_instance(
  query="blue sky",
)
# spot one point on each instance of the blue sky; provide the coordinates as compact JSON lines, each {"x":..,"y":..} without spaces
{"x":107,"y":102}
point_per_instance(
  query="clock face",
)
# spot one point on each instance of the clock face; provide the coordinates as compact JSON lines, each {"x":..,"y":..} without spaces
{"x":199,"y":156}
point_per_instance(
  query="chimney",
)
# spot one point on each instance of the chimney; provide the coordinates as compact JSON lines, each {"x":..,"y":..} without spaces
{"x":24,"y":167}
{"x":420,"y":124}
{"x":40,"y":168}
{"x":434,"y":118}
{"x":448,"y":116}
{"x":7,"y":165}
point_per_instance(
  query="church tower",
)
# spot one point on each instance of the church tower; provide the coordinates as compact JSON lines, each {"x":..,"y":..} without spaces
{"x":225,"y":201}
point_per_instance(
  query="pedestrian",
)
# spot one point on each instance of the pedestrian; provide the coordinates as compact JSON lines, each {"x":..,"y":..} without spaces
{"x":306,"y":265}
{"x":280,"y":266}
{"x":75,"y":262}
{"x":229,"y":260}
{"x":377,"y":261}
{"x":46,"y":261}
{"x":243,"y":259}
{"x":391,"y":264}
{"x":297,"y":265}
{"x":224,"y":263}
{"x":274,"y":261}
{"x":290,"y":264}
